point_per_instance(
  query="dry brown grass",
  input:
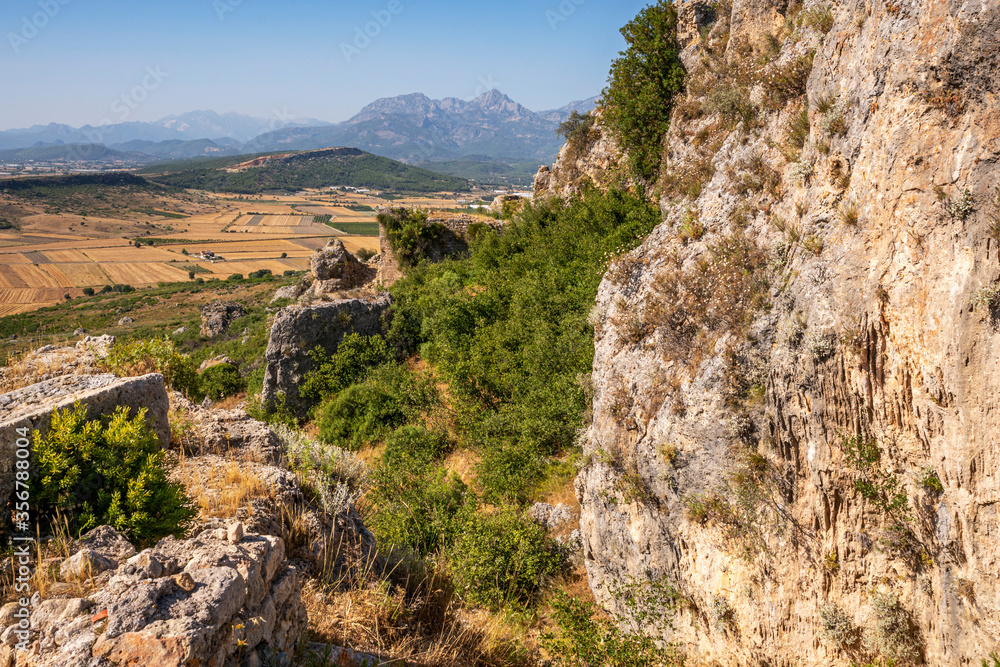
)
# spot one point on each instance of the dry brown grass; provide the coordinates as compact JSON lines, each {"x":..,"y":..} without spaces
{"x":27,"y":368}
{"x":48,"y":554}
{"x":220,"y":486}
{"x":413,"y":616}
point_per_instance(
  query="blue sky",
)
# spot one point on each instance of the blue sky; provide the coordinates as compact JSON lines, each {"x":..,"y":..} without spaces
{"x":68,"y":61}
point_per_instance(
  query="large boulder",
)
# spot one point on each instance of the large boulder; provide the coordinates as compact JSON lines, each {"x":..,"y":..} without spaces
{"x":27,"y":412}
{"x":218,"y":315}
{"x":334,"y":269}
{"x":297,"y":330}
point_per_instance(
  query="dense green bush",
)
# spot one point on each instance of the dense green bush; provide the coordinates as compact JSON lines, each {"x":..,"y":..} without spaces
{"x":155,"y":355}
{"x":418,"y":505}
{"x":360,"y":415}
{"x":644,"y":79}
{"x":414,"y":443}
{"x":581,"y":639}
{"x":366,"y":412}
{"x":507,"y":328}
{"x":110,"y":472}
{"x":350,"y":364}
{"x":218,"y":382}
{"x":502,"y":558}
{"x":410,"y":235}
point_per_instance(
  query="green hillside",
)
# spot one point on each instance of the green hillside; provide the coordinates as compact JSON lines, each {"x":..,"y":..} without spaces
{"x":311,"y":169}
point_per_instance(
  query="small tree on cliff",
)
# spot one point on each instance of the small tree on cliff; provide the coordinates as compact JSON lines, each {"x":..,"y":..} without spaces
{"x":642,"y":84}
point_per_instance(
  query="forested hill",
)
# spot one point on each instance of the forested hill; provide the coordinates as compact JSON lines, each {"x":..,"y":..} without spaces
{"x":252,"y":174}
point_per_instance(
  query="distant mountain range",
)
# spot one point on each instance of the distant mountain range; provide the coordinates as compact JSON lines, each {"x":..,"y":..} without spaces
{"x":411,"y":128}
{"x":228,"y":129}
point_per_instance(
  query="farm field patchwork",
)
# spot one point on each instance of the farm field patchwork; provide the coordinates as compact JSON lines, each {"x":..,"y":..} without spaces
{"x":59,"y":254}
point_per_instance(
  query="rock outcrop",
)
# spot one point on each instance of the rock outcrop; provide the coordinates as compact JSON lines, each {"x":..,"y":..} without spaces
{"x":753,"y":465}
{"x":28,"y":411}
{"x":335,"y":269}
{"x":218,"y":315}
{"x":594,"y":158}
{"x":224,"y":597}
{"x":298,"y":330}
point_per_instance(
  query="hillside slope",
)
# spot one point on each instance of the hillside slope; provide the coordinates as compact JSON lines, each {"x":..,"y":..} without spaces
{"x":251,"y":174}
{"x":794,"y":447}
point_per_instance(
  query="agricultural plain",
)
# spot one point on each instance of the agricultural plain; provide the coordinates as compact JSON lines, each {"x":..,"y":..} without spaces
{"x":53,"y":253}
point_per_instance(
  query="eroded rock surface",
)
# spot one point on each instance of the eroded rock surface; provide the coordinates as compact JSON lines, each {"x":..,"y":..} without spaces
{"x":724,"y":472}
{"x":218,"y":315}
{"x":205,"y":600}
{"x":297,"y":330}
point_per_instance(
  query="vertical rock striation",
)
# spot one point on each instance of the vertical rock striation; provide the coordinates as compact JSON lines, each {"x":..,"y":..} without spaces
{"x":720,"y":484}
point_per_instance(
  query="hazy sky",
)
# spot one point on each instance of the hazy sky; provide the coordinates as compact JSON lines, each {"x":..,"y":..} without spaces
{"x":87,"y":61}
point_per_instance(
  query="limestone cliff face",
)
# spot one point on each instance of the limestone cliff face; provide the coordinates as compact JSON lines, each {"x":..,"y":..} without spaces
{"x":718,"y":477}
{"x":595,"y":158}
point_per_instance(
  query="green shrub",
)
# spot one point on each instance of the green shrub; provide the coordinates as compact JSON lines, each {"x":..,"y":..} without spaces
{"x":418,"y":505}
{"x":577,"y":128}
{"x":582,"y":639}
{"x":882,"y":489}
{"x":412,"y":238}
{"x":929,"y":480}
{"x":218,"y":382}
{"x":507,"y":329}
{"x":502,"y":558}
{"x":835,"y":627}
{"x":642,"y":84}
{"x":350,"y":364}
{"x":235,"y":277}
{"x":416,"y":443}
{"x":274,"y":413}
{"x":111,"y":472}
{"x":88,"y":291}
{"x":360,"y":415}
{"x":155,"y":355}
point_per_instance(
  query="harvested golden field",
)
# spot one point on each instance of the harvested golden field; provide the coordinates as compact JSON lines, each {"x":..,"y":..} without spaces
{"x":129,"y":254}
{"x":85,"y":275}
{"x":58,"y":251}
{"x":136,"y":274}
{"x":62,"y":256}
{"x":34,"y":276}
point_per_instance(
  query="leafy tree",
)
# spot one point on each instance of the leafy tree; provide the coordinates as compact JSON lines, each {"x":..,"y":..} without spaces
{"x":111,"y":472}
{"x":642,"y":84}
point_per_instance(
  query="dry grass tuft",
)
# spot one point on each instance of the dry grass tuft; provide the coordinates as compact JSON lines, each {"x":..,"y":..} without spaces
{"x":219,"y":487}
{"x":412,"y":614}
